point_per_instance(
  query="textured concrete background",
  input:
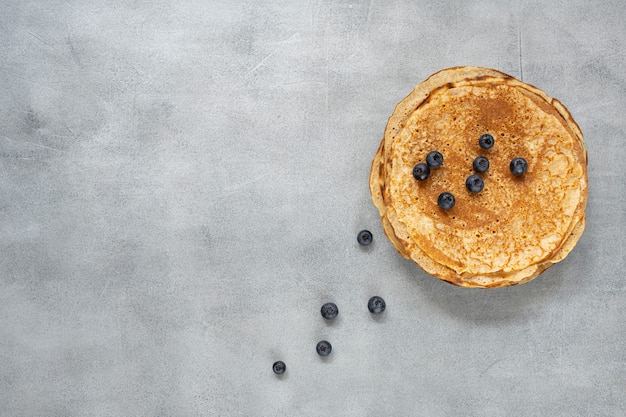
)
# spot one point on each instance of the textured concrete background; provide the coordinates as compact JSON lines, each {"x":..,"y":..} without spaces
{"x":182,"y":183}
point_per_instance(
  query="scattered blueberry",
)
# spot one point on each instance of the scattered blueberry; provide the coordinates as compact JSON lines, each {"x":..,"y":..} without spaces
{"x":518,"y":166}
{"x":445,"y":201}
{"x":364,"y":237}
{"x":329,"y":311}
{"x":486,"y":141}
{"x":474,"y":183}
{"x":434,"y":159}
{"x":376,"y":305}
{"x":481,"y":164}
{"x":421,"y":171}
{"x":323,"y":348}
{"x":279,"y":367}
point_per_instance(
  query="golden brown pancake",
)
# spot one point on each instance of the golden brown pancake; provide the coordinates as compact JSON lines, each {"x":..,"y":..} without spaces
{"x":516,"y":227}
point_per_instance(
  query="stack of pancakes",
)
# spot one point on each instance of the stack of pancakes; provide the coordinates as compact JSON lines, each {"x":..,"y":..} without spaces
{"x":517,"y":226}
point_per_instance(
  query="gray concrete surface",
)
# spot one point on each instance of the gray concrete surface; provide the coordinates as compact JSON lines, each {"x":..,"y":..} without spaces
{"x":181,"y":186}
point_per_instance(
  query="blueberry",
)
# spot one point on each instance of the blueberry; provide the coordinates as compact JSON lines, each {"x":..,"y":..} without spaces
{"x":486,"y":141}
{"x":329,"y":311}
{"x":481,"y":164}
{"x":376,"y":305}
{"x":364,"y":237}
{"x":421,"y":171}
{"x":474,"y":184}
{"x":445,"y":201}
{"x":279,"y":367}
{"x":434,"y":159}
{"x":518,"y":166}
{"x":323,"y":348}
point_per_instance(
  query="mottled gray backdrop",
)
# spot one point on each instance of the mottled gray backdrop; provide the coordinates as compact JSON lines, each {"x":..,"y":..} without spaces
{"x":182,"y":182}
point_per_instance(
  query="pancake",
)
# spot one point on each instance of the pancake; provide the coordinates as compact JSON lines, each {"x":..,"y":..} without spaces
{"x":517,"y":226}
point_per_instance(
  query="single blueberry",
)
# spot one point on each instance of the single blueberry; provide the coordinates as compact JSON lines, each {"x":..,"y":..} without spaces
{"x":445,"y":201}
{"x":376,"y":305}
{"x":324,"y":348}
{"x":421,"y":171}
{"x":279,"y":367}
{"x":364,"y":237}
{"x":474,"y":183}
{"x":329,"y":311}
{"x":486,"y":141}
{"x":518,"y":166}
{"x":481,"y":164}
{"x":434,"y":159}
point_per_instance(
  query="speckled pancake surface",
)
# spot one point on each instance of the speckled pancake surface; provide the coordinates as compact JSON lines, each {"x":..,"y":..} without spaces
{"x":516,"y":227}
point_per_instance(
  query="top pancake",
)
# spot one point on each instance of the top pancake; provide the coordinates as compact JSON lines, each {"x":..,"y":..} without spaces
{"x":516,"y":227}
